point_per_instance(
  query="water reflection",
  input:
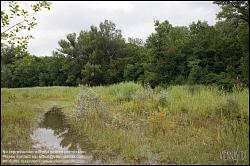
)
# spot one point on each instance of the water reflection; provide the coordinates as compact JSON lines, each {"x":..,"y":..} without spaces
{"x":67,"y":138}
{"x":55,"y":120}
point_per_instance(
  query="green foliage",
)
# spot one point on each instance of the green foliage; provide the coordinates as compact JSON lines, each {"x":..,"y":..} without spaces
{"x":92,"y":53}
{"x":234,"y":10}
{"x":92,"y":74}
{"x":165,"y":57}
{"x":15,"y":20}
{"x":197,"y":120}
{"x":173,"y":55}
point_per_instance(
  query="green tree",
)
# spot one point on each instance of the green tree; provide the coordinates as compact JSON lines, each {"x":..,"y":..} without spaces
{"x":9,"y":56}
{"x":135,"y":57}
{"x":26,"y":73}
{"x":166,"y":59}
{"x":92,"y":74}
{"x":236,"y":15}
{"x":238,"y":10}
{"x":102,"y":50}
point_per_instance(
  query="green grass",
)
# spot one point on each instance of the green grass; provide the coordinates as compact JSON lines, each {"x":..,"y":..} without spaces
{"x":131,"y":124}
{"x":21,"y":109}
{"x":178,"y":125}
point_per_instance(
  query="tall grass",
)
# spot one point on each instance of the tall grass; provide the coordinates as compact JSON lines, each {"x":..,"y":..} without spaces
{"x":131,"y":124}
{"x":177,"y":125}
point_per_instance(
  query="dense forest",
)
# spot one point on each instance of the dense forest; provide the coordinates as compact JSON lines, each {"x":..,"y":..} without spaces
{"x":196,"y":54}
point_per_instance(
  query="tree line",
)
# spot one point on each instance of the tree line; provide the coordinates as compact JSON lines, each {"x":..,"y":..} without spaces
{"x":196,"y":54}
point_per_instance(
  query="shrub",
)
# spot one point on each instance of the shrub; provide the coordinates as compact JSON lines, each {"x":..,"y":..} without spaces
{"x":87,"y":102}
{"x":230,"y":108}
{"x":161,"y":98}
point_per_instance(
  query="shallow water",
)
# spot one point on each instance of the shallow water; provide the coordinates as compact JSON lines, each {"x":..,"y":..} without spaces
{"x":54,"y":134}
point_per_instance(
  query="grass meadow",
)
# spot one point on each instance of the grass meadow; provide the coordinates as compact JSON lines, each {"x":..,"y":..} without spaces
{"x":128,"y":123}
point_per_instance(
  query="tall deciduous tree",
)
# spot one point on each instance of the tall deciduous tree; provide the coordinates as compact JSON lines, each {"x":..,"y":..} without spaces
{"x":165,"y":56}
{"x":234,"y":10}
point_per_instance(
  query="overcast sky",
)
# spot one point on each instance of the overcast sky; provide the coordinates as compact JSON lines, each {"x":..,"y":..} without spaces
{"x":135,"y":19}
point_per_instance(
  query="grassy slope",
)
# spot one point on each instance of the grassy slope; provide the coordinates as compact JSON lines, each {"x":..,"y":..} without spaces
{"x":131,"y":124}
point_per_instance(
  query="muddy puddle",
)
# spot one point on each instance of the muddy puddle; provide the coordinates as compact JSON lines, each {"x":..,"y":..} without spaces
{"x":54,"y":134}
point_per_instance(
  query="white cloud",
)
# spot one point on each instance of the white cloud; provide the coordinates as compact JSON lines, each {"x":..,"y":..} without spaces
{"x":110,"y":6}
{"x":139,"y":30}
{"x":135,"y":18}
